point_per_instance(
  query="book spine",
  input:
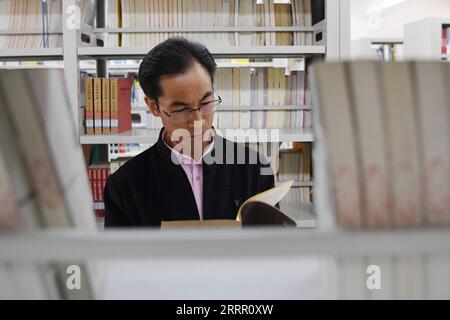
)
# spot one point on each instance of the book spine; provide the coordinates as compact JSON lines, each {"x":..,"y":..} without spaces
{"x":444,"y":41}
{"x":89,"y":115}
{"x":94,"y":184}
{"x":124,"y":103}
{"x":114,"y":116}
{"x":91,"y":184}
{"x":103,"y":182}
{"x":97,"y":105}
{"x":106,"y":106}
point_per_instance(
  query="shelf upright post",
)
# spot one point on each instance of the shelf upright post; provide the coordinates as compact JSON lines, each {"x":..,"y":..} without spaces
{"x":337,"y":15}
{"x":102,"y":67}
{"x":102,"y":70}
{"x":71,"y":22}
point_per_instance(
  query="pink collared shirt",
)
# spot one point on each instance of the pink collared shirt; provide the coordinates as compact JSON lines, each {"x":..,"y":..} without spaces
{"x":194,"y":173}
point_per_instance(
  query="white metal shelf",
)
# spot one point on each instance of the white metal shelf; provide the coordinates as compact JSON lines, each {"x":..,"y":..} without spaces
{"x":204,"y":30}
{"x":134,"y":67}
{"x":72,"y":246}
{"x":28,"y":53}
{"x":244,"y":108}
{"x":301,"y":184}
{"x":150,"y":136}
{"x":386,"y":40}
{"x":217,"y":51}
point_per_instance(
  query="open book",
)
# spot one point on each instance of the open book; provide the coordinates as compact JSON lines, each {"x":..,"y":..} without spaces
{"x":258,"y":210}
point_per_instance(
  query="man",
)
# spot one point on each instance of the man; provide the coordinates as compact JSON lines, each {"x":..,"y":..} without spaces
{"x":190,"y":173}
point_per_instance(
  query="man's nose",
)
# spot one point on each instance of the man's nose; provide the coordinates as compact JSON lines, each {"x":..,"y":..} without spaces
{"x":196,"y":115}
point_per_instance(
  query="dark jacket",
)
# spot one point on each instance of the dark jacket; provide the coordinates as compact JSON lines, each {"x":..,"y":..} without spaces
{"x":150,"y":188}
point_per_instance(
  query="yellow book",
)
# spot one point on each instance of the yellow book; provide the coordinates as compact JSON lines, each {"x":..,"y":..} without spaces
{"x":105,"y":106}
{"x":97,"y":105}
{"x":89,"y":113}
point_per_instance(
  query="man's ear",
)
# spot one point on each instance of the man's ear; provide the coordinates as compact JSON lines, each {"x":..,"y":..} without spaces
{"x":152,"y":106}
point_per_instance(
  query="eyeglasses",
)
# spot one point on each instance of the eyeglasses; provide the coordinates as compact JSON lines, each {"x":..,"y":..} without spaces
{"x":205,"y":108}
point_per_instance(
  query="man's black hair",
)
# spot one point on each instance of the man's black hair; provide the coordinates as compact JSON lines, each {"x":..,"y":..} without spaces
{"x":173,"y":56}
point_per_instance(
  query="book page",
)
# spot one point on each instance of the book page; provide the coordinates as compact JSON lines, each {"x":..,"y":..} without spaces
{"x":271,"y":196}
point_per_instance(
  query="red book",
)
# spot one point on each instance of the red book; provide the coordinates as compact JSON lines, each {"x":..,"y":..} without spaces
{"x":120,"y":104}
{"x":91,"y":185}
{"x":444,"y":41}
{"x":99,"y":185}
{"x":103,"y":182}
{"x":94,"y":183}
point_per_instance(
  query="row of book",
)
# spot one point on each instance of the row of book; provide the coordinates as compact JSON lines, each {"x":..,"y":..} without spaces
{"x":37,"y":23}
{"x":207,"y":15}
{"x":445,"y":47}
{"x":262,"y":86}
{"x":43,"y":182}
{"x":263,"y":119}
{"x":385,"y":133}
{"x":294,"y":163}
{"x":246,"y":87}
{"x":389,"y":52}
{"x":107,"y":105}
{"x":124,"y":148}
{"x":98,"y":175}
{"x":254,"y":87}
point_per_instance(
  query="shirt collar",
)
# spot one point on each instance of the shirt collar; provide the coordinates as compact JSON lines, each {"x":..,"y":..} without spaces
{"x":184,"y":159}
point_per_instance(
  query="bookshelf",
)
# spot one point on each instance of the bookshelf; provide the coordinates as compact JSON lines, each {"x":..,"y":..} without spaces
{"x":189,"y":249}
{"x":330,"y":36}
{"x":424,"y":39}
{"x":79,"y":245}
{"x":321,"y":49}
{"x":67,"y":246}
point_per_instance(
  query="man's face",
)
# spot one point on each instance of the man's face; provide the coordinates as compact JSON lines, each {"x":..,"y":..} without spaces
{"x":184,"y":91}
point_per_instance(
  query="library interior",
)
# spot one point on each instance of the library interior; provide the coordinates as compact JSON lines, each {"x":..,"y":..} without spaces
{"x":225,"y":149}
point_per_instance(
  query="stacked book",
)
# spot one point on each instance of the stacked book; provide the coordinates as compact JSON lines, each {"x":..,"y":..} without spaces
{"x":200,"y":15}
{"x":43,"y":181}
{"x":387,"y":140}
{"x":107,"y":105}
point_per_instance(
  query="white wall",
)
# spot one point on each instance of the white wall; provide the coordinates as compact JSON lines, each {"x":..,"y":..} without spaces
{"x":386,"y":18}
